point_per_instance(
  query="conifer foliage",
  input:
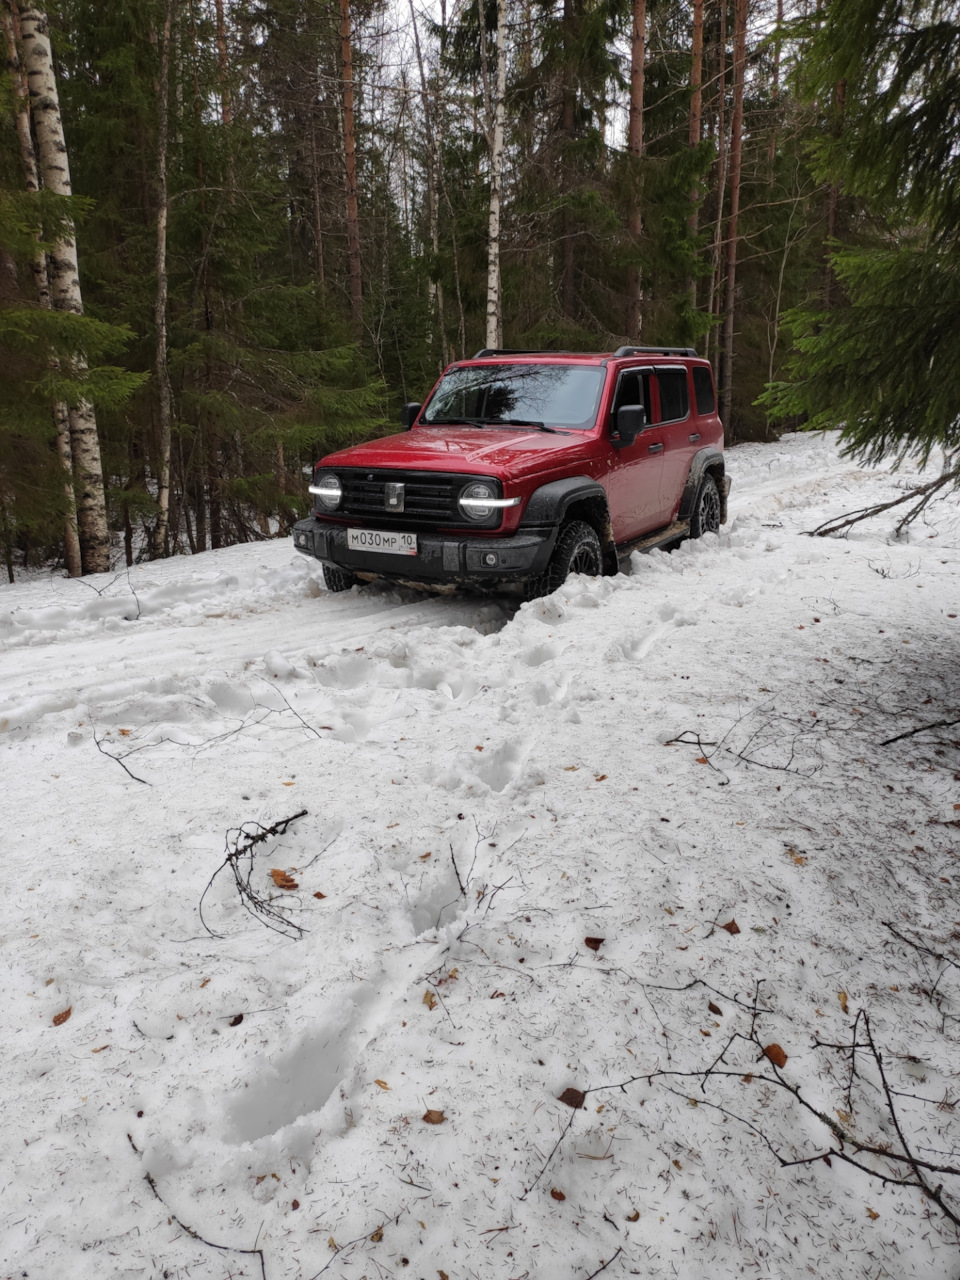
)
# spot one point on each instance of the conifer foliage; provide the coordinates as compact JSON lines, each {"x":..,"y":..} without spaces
{"x":267,"y":223}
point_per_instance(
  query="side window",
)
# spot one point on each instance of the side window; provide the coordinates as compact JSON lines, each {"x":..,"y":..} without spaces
{"x":633,"y":388}
{"x":703,"y":390}
{"x":674,"y":401}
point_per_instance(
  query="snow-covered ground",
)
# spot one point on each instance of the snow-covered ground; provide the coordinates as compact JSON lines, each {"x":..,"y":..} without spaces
{"x":523,"y":831}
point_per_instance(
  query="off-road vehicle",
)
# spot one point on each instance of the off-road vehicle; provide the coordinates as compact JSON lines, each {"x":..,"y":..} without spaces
{"x":522,"y":467}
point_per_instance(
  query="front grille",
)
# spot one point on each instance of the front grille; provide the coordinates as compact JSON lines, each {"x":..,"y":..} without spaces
{"x":429,"y":497}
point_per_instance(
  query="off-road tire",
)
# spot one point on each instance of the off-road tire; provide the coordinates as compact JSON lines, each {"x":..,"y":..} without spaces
{"x":338,"y":579}
{"x":705,"y":517}
{"x":577,"y":550}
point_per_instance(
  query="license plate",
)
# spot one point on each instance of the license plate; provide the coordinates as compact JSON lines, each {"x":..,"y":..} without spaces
{"x":398,"y":544}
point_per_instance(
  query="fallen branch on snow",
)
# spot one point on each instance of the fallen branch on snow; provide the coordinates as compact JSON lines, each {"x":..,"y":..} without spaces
{"x":921,"y":495}
{"x":240,"y":845}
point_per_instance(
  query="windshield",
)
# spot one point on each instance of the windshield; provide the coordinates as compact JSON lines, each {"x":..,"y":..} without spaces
{"x":553,"y":395}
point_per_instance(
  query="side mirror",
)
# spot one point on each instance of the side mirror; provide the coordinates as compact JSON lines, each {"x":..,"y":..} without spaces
{"x":631,"y":420}
{"x":408,"y":415}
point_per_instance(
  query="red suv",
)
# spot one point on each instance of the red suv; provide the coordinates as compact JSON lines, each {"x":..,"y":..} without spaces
{"x":522,"y":467}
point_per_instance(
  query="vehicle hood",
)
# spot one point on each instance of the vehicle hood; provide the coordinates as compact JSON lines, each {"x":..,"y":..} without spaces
{"x":485,"y":451}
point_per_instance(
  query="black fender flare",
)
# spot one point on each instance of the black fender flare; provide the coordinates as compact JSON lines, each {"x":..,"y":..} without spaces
{"x":704,"y":460}
{"x":548,"y":505}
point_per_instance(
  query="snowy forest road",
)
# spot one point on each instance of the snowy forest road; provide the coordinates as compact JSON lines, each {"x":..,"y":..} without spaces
{"x":65,"y":643}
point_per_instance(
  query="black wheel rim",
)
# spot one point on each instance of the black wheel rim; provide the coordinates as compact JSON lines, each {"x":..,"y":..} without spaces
{"x":709,"y":510}
{"x":584,"y":561}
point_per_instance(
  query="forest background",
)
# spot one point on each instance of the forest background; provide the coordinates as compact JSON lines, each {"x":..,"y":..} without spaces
{"x":235,"y":234}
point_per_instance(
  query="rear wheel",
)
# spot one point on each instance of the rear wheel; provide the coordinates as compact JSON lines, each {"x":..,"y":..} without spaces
{"x":577,"y":551}
{"x":338,"y":579}
{"x":705,"y":517}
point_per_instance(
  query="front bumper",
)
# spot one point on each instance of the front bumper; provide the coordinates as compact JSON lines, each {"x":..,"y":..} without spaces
{"x":441,"y":559}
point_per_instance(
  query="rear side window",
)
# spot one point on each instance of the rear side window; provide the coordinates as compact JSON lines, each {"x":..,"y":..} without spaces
{"x":703,"y":390}
{"x":674,"y":402}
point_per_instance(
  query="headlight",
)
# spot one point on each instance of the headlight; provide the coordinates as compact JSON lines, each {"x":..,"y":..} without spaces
{"x":478,"y":500}
{"x":328,"y":491}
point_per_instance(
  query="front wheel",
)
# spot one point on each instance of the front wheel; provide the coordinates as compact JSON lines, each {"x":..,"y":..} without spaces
{"x":705,"y":517}
{"x":338,"y":579}
{"x":577,"y":551}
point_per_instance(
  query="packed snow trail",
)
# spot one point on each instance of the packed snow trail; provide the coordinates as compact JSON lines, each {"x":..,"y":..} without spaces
{"x":524,"y":831}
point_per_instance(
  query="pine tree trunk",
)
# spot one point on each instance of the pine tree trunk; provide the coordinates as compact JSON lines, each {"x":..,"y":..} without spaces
{"x":226,"y":112}
{"x":52,"y":159}
{"x":9,"y":17}
{"x":495,"y":109}
{"x":723,"y":153}
{"x":696,"y":123}
{"x":350,"y":170}
{"x":434,"y":159}
{"x":638,"y":58}
{"x":568,"y":287}
{"x":158,"y":540}
{"x":736,"y":151}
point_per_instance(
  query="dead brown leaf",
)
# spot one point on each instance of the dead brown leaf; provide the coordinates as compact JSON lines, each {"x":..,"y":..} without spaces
{"x":776,"y":1055}
{"x":236,"y":1020}
{"x":634,"y":1217}
{"x":429,"y":999}
{"x":573,"y":1098}
{"x":872,"y":1215}
{"x":842,"y":997}
{"x":715,"y":1010}
{"x":433,"y":1117}
{"x":557,"y":1194}
{"x":731,"y":927}
{"x":594,"y":943}
{"x":318,"y":894}
{"x":282,"y":880}
{"x":382,"y":1083}
{"x":60,"y":1018}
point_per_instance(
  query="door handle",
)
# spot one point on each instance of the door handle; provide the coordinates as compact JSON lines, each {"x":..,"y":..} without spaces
{"x":695,"y":436}
{"x":655,"y":448}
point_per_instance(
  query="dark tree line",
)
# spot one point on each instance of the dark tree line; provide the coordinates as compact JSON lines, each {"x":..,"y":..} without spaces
{"x":235,"y":234}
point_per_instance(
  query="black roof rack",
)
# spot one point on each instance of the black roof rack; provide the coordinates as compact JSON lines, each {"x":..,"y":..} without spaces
{"x":508,"y":351}
{"x":654,"y":351}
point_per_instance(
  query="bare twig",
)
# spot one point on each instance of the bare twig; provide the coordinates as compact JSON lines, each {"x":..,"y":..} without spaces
{"x":910,"y":733}
{"x":240,"y":844}
{"x":566,"y":1129}
{"x":605,"y":1264}
{"x":119,"y":760}
{"x":195,"y":1235}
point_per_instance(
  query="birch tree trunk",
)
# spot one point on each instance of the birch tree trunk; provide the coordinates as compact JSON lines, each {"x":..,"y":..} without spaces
{"x":350,"y":170}
{"x":495,"y":104}
{"x":158,"y":539}
{"x":9,"y":17}
{"x":736,"y":151}
{"x":638,"y":58}
{"x":54,"y":167}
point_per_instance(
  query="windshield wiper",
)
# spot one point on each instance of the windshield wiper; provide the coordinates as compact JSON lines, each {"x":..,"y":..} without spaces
{"x":524,"y":422}
{"x":455,"y":422}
